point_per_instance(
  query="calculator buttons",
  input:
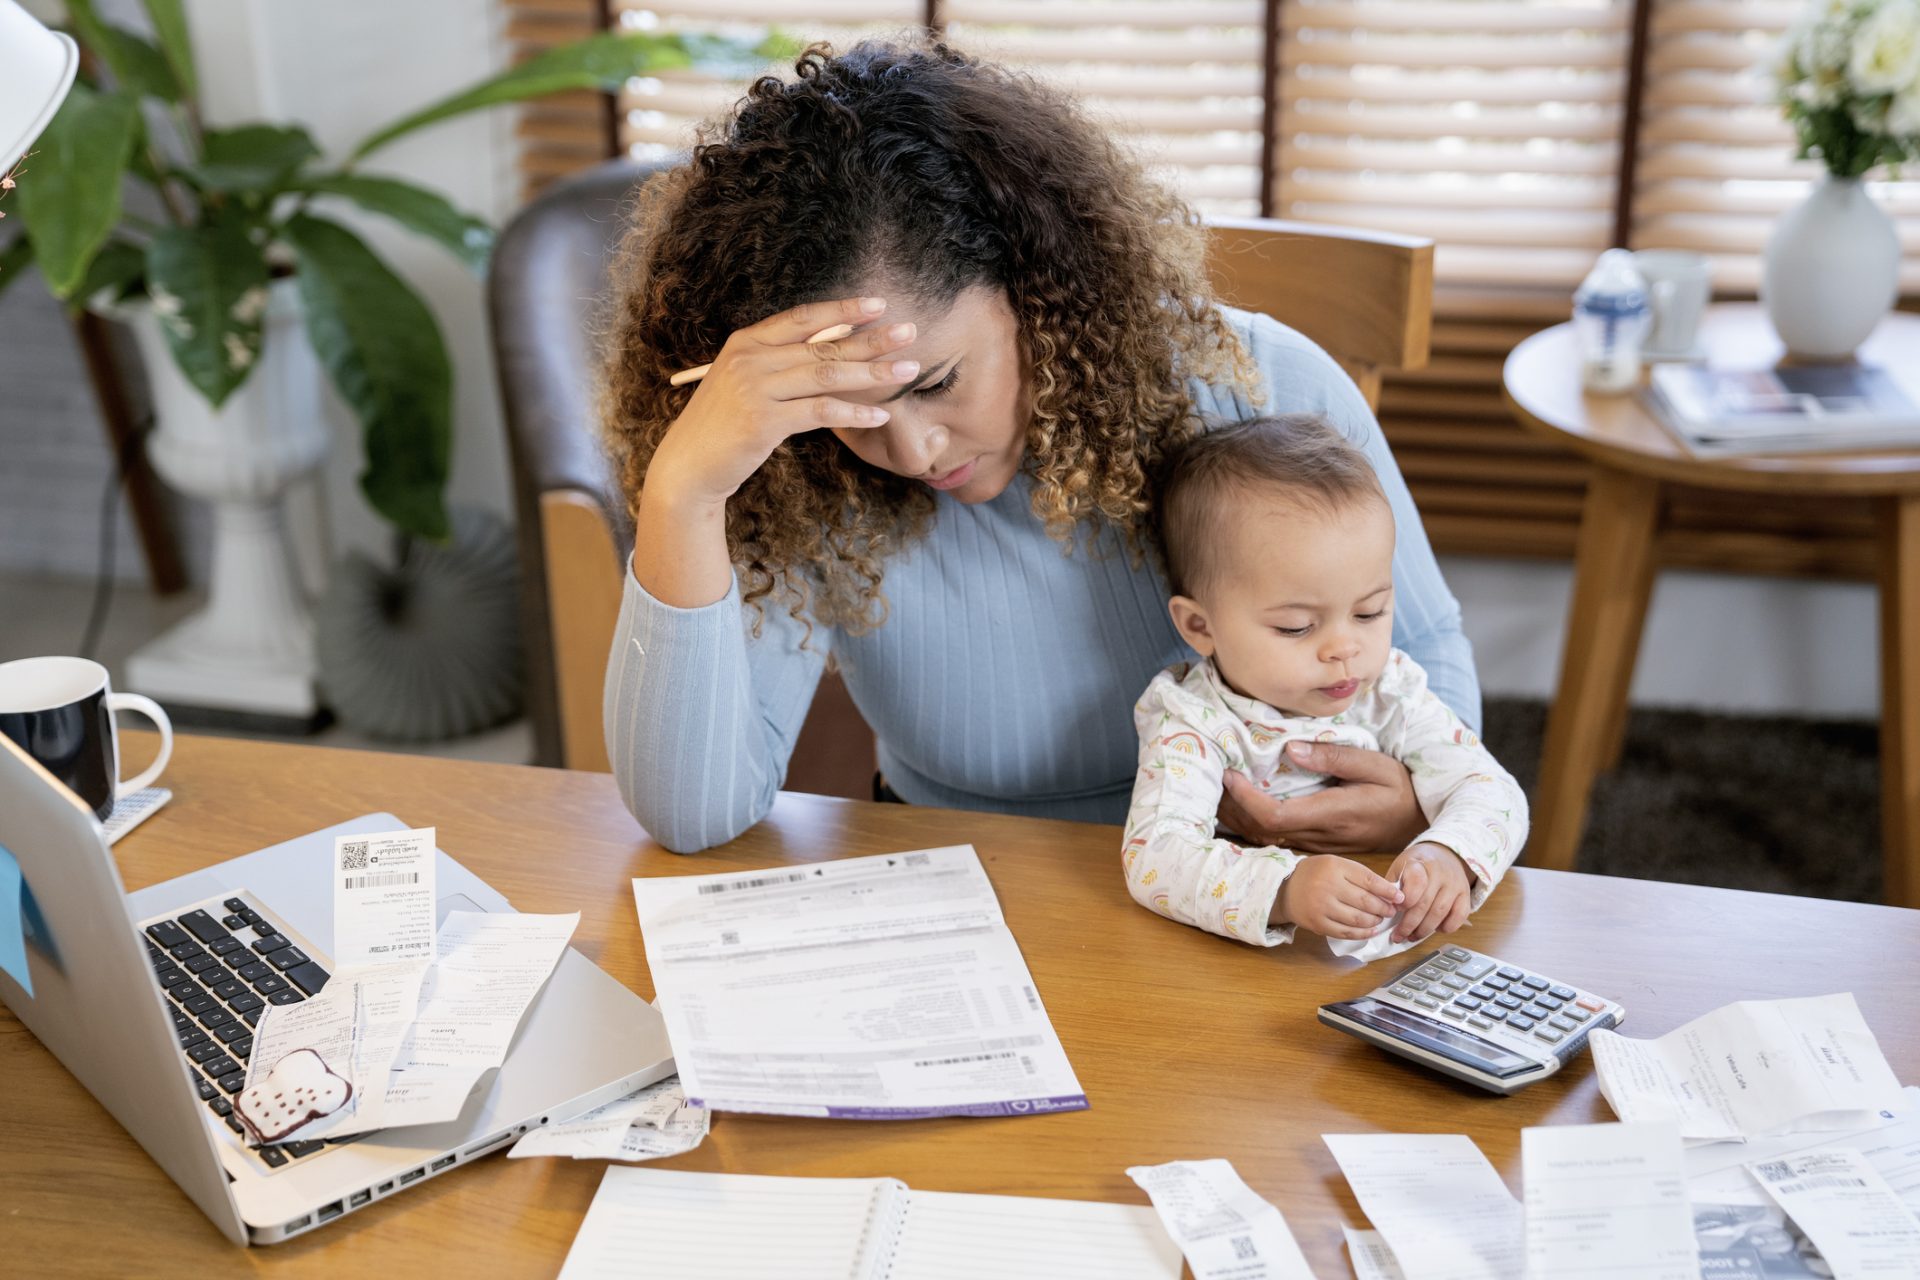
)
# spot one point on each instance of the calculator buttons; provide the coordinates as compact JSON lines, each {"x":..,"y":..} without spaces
{"x":1426,"y":1002}
{"x":1467,"y":1002}
{"x":1519,"y":1023}
{"x":1564,"y":993}
{"x":1578,"y":1014}
{"x":1496,"y":982}
{"x":1563,"y":1022}
{"x":1549,"y":1035}
{"x":1453,"y":1011}
{"x":1431,"y":973}
{"x":1508,"y":1002}
{"x":1474,"y":969}
{"x":1440,"y":962}
{"x":1535,"y":982}
{"x":1547,"y":1002}
{"x":1484,"y":992}
{"x":1458,"y":984}
{"x":1418,"y":984}
{"x":1475,"y":1020}
{"x":1510,"y":973}
{"x":1535,"y":1012}
{"x":1402,"y":989}
{"x":1590,"y":1004}
{"x":1457,"y":953}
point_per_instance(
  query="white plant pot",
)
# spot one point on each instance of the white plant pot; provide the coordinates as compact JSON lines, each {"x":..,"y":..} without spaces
{"x":1832,"y":271}
{"x":250,"y":650}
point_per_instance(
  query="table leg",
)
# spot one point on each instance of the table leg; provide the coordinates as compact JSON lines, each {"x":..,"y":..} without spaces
{"x":1899,"y":714}
{"x":1612,"y":576}
{"x":1637,"y":593}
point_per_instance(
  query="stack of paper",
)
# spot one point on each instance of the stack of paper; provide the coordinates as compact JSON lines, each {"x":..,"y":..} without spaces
{"x":880,"y":988}
{"x":411,"y":1019}
{"x":1752,"y":1069}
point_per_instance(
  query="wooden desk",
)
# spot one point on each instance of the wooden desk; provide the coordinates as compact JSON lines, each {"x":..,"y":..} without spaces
{"x":1189,"y":1045}
{"x":1621,"y":529}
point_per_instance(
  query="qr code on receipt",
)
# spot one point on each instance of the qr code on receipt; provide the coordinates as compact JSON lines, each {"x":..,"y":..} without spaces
{"x":353,"y":855}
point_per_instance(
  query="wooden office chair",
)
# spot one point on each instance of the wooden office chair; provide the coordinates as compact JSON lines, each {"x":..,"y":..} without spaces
{"x":1366,"y":297}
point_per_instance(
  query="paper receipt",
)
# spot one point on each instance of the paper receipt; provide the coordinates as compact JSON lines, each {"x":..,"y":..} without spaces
{"x":383,"y":897}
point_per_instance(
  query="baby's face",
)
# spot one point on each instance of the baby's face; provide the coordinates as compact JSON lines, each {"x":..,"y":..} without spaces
{"x":1300,"y":612}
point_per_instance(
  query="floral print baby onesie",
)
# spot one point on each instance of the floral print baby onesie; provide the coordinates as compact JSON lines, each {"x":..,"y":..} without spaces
{"x":1193,"y":728}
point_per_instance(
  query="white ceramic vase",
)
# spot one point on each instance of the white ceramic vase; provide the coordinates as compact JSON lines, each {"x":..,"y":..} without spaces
{"x":1831,"y":272}
{"x":250,"y":650}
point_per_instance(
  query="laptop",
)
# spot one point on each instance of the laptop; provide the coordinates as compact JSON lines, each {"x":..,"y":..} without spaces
{"x":96,"y":956}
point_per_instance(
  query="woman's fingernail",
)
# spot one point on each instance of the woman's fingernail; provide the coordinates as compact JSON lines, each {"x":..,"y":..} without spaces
{"x":1298,"y":750}
{"x":873,"y":306}
{"x":904,"y":369}
{"x":877,"y":416}
{"x":899,"y":333}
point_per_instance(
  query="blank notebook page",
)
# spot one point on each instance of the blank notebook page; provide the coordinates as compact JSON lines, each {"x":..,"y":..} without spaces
{"x":949,"y":1236}
{"x":665,"y":1225}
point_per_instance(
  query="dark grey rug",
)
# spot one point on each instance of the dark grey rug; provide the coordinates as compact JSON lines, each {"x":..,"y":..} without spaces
{"x":1776,"y":804}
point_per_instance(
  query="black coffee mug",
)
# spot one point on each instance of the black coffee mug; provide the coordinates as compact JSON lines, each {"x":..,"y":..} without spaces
{"x":60,"y":711}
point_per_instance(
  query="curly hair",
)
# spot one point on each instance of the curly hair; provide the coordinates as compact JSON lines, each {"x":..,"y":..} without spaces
{"x":909,"y":162}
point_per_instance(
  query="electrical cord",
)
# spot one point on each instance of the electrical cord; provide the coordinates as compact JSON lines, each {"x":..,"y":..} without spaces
{"x":110,"y":526}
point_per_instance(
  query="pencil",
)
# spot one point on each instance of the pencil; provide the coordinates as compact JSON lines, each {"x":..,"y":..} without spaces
{"x":698,"y":372}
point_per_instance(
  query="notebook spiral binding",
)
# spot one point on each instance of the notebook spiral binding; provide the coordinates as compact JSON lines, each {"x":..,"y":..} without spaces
{"x":891,"y":1226}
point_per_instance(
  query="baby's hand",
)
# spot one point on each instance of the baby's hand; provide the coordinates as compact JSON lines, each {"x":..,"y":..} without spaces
{"x":1438,"y":888}
{"x":1336,"y":898}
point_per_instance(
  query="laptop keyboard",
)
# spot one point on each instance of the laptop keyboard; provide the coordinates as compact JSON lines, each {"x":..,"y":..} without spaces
{"x":220,"y":973}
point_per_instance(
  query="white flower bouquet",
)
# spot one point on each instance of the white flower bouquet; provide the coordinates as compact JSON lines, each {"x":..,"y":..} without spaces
{"x":1848,"y":76}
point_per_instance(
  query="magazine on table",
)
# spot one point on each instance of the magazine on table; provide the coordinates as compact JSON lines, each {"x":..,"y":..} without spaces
{"x":1789,"y":409}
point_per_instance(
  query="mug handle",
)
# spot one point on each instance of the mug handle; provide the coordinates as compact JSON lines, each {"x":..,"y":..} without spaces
{"x":151,"y":710}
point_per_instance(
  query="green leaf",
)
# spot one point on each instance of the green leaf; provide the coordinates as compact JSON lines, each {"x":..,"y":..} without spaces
{"x":170,"y":24}
{"x":14,"y":261}
{"x":381,"y":347}
{"x":69,"y":193}
{"x":599,"y":62}
{"x":117,"y":267}
{"x":419,"y":210}
{"x":138,"y":67}
{"x":254,"y":157}
{"x":208,"y":286}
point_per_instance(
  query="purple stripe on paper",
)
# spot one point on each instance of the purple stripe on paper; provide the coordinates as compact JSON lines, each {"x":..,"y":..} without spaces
{"x":1012,"y":1107}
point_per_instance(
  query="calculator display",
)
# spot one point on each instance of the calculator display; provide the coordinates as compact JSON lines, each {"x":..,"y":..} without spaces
{"x":1436,"y":1037}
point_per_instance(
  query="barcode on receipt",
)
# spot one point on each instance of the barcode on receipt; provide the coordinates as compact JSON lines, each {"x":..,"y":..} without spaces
{"x":383,"y":880}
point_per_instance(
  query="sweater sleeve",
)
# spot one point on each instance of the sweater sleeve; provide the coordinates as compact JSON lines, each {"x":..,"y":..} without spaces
{"x":1173,"y":862}
{"x":1473,"y":805}
{"x":701,"y":714}
{"x":1302,"y":378}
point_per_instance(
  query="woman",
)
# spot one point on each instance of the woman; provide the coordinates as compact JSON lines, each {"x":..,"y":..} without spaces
{"x":953,"y":500}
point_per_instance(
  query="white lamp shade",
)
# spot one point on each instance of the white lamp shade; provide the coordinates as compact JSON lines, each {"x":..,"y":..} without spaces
{"x":36,"y":70}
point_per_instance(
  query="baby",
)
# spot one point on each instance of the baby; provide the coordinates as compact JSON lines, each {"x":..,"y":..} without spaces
{"x":1279,"y":550}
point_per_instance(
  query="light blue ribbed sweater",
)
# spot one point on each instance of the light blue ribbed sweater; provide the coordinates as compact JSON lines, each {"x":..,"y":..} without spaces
{"x":1005,"y":675}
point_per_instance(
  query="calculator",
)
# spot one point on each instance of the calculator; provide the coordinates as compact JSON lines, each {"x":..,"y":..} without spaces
{"x":1477,"y":1019}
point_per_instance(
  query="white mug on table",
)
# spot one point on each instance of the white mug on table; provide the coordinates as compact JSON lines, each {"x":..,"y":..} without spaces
{"x":1679,"y":283}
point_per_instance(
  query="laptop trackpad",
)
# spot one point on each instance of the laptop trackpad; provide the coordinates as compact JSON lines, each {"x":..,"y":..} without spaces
{"x":453,"y":902}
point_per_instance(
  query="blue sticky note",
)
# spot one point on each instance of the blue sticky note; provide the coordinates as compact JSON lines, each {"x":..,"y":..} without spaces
{"x":13,"y":939}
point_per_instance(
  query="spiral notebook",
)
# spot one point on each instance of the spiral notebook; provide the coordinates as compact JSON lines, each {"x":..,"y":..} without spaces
{"x":668,"y":1225}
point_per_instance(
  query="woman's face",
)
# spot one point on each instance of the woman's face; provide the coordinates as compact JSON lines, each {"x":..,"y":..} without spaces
{"x":961,"y":425}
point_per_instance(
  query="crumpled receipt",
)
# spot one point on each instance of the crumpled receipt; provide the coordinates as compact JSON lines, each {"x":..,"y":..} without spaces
{"x":646,"y":1124}
{"x":1378,"y":944}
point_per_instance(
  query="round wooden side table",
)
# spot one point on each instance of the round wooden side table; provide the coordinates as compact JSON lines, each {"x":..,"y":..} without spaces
{"x":1619,"y":547}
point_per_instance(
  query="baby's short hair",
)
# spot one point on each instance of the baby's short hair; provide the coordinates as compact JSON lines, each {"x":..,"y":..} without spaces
{"x":1299,"y":456}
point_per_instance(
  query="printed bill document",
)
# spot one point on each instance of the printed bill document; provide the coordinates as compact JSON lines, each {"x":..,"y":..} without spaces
{"x":878,"y":988}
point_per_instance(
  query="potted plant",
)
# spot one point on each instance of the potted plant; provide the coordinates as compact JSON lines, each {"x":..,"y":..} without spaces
{"x":1848,"y":79}
{"x":241,"y":292}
